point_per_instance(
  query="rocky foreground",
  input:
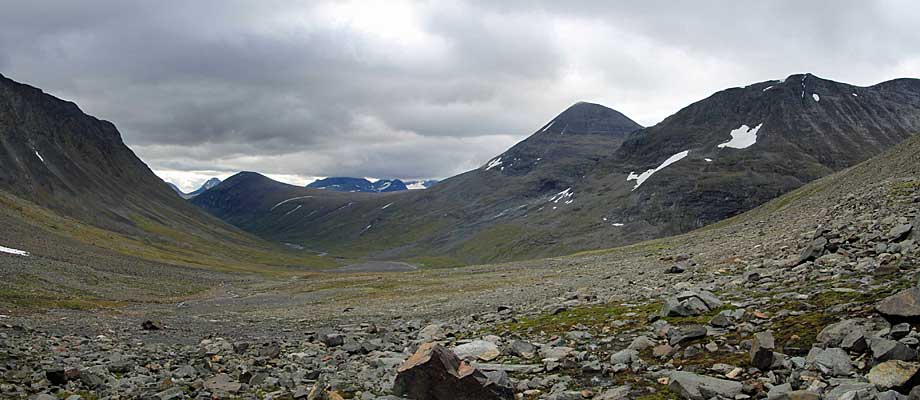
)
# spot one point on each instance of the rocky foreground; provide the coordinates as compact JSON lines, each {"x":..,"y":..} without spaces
{"x":833,"y":316}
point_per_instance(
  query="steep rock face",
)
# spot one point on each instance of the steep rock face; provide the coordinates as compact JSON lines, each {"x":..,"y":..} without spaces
{"x":54,"y":155}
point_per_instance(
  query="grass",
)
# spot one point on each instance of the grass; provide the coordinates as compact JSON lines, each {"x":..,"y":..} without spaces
{"x":595,"y":318}
{"x":165,"y":244}
{"x":38,"y":301}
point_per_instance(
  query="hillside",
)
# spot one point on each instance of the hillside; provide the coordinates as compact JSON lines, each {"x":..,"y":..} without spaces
{"x":84,"y":207}
{"x":590,"y":178}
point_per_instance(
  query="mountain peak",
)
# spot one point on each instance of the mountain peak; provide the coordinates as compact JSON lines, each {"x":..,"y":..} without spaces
{"x":584,"y":118}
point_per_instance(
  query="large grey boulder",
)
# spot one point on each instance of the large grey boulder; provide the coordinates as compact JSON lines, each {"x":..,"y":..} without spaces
{"x":886,"y":350}
{"x":690,"y":303}
{"x":831,"y":361}
{"x":833,"y":334}
{"x":814,"y":250}
{"x":698,"y":387}
{"x":895,"y":374}
{"x":685,"y":334}
{"x":904,"y":305}
{"x":477,"y":349}
{"x":899,"y":232}
{"x":762,"y":350}
{"x":436,"y":373}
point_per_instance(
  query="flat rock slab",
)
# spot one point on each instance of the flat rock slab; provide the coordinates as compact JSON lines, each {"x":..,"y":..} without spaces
{"x":904,"y":305}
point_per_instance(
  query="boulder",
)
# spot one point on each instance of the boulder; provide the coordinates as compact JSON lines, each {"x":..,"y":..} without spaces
{"x":477,"y":349}
{"x":902,"y":306}
{"x":521,"y":349}
{"x":814,"y":250}
{"x":222,"y":385}
{"x":833,"y":361}
{"x":833,"y":334}
{"x":762,"y":350}
{"x":697,"y":387}
{"x":627,"y":357}
{"x":895,"y":374}
{"x":685,"y":334}
{"x":150,"y":326}
{"x":887,"y":350}
{"x":899,"y":232}
{"x":673,"y":307}
{"x":434,"y":372}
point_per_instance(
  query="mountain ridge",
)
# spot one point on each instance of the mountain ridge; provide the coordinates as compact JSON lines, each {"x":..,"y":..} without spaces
{"x":533,"y":200}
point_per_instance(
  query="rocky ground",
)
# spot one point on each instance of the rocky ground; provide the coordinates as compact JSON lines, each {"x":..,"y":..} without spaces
{"x":819,"y":300}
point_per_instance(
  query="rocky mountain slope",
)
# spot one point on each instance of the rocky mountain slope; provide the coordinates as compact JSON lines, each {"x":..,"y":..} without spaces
{"x":344,"y":184}
{"x":86,"y":209}
{"x":804,"y":297}
{"x":590,"y":178}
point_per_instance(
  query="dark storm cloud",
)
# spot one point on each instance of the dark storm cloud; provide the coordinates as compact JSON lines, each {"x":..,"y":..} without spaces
{"x":416,"y":89}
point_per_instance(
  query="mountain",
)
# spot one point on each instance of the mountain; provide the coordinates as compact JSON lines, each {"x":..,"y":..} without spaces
{"x":77,"y":199}
{"x":436,"y":219}
{"x":591,"y":178}
{"x":207,"y":185}
{"x":345,"y":184}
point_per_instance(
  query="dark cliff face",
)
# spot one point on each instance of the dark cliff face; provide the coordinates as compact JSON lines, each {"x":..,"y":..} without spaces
{"x":54,"y":155}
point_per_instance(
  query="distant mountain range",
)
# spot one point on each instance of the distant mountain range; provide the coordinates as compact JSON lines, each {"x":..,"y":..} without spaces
{"x":362,"y":185}
{"x":191,"y":195}
{"x":593,"y":178}
{"x":344,"y":184}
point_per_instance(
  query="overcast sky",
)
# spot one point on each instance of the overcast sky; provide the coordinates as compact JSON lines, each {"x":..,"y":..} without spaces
{"x":416,"y":89}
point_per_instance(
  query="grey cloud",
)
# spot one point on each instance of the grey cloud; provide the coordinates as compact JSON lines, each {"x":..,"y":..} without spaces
{"x":417,"y":89}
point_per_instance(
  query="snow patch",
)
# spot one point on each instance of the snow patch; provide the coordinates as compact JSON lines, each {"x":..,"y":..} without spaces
{"x":565,"y":196}
{"x":641,"y":178}
{"x":549,"y":126}
{"x":816,"y":97}
{"x":617,"y":224}
{"x":291,"y":199}
{"x":767,"y":88}
{"x":39,"y":156}
{"x":289,"y":212}
{"x":708,"y":159}
{"x":494,"y":163}
{"x":14,"y":251}
{"x":855,"y":95}
{"x":742,"y":137}
{"x":385,"y":207}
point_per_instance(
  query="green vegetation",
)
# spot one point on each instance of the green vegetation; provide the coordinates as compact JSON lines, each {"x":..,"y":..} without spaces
{"x":595,"y":317}
{"x":164,"y":244}
{"x":39,"y":300}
